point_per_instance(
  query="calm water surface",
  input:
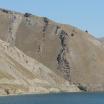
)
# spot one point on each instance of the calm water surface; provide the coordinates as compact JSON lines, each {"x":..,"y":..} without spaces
{"x":62,"y":98}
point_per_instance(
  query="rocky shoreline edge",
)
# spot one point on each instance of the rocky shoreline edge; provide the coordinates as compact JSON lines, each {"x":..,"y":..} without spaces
{"x":38,"y":90}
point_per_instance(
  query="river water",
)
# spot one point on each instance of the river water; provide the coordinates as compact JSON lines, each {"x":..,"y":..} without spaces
{"x":61,"y":98}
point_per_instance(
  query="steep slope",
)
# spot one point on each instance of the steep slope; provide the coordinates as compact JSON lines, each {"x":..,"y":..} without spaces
{"x":71,"y":53}
{"x":22,"y":74}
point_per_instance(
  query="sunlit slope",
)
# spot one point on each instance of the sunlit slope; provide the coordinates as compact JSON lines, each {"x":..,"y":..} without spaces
{"x":73,"y":54}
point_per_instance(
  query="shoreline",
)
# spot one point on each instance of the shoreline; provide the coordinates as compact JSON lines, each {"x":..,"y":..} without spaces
{"x":27,"y":94}
{"x":23,"y":94}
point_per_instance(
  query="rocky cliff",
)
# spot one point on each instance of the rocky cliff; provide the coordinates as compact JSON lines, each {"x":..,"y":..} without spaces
{"x":68,"y":53}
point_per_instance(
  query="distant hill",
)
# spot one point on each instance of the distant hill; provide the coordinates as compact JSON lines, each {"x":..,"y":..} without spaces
{"x":101,"y":39}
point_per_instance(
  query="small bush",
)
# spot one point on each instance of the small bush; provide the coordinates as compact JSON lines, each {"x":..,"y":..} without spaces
{"x":6,"y":11}
{"x":72,"y":34}
{"x":45,"y":19}
{"x":86,"y":31}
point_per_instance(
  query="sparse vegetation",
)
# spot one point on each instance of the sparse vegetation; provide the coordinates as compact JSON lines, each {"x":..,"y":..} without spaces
{"x":45,"y":20}
{"x":86,"y":31}
{"x":6,"y":11}
{"x":72,"y":34}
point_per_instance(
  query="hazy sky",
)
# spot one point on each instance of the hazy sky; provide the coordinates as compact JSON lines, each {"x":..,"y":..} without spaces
{"x":84,"y":14}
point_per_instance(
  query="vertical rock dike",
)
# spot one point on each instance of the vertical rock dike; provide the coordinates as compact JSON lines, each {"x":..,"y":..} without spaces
{"x":45,"y":20}
{"x":63,"y":63}
{"x":15,"y":20}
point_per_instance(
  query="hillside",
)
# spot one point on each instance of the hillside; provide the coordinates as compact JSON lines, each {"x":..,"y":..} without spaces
{"x":22,"y":74}
{"x":66,"y":51}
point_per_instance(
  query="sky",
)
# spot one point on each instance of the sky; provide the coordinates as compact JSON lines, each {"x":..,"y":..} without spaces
{"x":83,"y":14}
